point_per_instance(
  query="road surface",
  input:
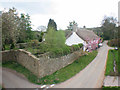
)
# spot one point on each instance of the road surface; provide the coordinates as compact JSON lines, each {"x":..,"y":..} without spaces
{"x":90,"y":77}
{"x":93,"y":75}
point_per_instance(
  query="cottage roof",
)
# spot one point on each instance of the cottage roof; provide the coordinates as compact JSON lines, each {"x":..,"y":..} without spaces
{"x":83,"y":34}
{"x":86,"y":34}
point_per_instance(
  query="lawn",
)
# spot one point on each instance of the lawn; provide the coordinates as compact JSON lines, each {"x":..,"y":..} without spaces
{"x":110,"y":62}
{"x":60,"y":75}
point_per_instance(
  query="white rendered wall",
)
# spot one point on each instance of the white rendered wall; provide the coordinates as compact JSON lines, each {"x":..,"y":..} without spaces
{"x":74,"y":39}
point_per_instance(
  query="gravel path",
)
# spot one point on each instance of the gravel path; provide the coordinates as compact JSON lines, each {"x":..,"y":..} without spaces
{"x":90,"y":77}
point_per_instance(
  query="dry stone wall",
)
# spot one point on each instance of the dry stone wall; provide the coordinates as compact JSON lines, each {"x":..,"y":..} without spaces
{"x":39,"y":66}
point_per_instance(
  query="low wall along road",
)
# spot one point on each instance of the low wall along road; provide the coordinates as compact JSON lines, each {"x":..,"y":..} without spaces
{"x":39,"y":66}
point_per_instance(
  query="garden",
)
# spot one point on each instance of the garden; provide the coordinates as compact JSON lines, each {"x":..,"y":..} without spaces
{"x":58,"y":76}
{"x":20,"y":35}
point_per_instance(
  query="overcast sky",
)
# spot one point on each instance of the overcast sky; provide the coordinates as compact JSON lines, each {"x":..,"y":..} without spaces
{"x":85,"y":12}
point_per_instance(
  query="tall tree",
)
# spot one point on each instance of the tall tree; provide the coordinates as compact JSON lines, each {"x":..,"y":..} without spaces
{"x":52,"y":24}
{"x":55,"y":39}
{"x":9,"y":26}
{"x":15,"y":28}
{"x":24,"y":28}
{"x":72,"y":25}
{"x":109,"y":28}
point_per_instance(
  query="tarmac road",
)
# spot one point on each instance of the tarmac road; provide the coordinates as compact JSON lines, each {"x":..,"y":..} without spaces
{"x":93,"y":75}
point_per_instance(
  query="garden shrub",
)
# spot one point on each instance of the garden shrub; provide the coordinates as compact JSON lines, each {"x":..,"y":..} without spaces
{"x":21,"y":46}
{"x":12,"y":46}
{"x":114,"y":42}
{"x":80,"y":45}
{"x":66,"y":50}
{"x":75,"y":47}
{"x":56,"y":52}
{"x":35,"y":43}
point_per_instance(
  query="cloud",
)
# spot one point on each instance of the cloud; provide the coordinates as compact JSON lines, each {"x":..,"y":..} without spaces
{"x":85,"y":12}
{"x":41,"y":7}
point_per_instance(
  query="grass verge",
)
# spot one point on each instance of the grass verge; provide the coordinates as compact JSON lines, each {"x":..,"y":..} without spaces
{"x":57,"y":77}
{"x":110,"y":62}
{"x":110,"y":88}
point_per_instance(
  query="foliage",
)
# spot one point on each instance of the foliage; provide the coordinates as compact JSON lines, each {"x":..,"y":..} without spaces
{"x":35,"y":43}
{"x":109,"y":28}
{"x":80,"y":45}
{"x":12,"y":46}
{"x":72,"y":25}
{"x":52,"y":24}
{"x":56,"y":42}
{"x":57,"y":77}
{"x":6,"y":47}
{"x":114,"y":42}
{"x":98,"y":31}
{"x":22,"y":46}
{"x":118,"y":28}
{"x":9,"y":26}
{"x":75,"y":47}
{"x":15,"y":29}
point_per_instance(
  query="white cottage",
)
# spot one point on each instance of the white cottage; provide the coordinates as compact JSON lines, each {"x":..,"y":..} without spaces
{"x":80,"y":36}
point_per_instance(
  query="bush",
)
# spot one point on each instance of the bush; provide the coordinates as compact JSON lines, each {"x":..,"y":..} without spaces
{"x":114,"y":42}
{"x":75,"y":47}
{"x":12,"y":46}
{"x":21,"y":46}
{"x":80,"y":45}
{"x":56,"y":52}
{"x":66,"y":50}
{"x":35,"y":43}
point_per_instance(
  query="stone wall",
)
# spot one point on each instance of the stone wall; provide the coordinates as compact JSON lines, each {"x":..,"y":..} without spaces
{"x":39,"y":66}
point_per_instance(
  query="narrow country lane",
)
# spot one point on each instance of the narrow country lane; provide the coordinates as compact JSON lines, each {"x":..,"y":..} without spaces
{"x":90,"y":77}
{"x":93,"y":75}
{"x":11,"y":79}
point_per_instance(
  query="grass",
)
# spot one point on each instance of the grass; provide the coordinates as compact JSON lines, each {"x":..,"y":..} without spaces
{"x":111,"y":88}
{"x":7,"y":47}
{"x":60,"y":75}
{"x":19,"y":68}
{"x":110,"y":62}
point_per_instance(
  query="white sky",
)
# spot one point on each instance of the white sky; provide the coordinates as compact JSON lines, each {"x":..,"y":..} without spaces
{"x":85,"y":12}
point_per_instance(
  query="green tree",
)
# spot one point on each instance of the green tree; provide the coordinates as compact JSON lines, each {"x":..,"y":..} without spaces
{"x":21,"y":29}
{"x":15,"y":28}
{"x":56,"y":42}
{"x":25,"y":32}
{"x":109,"y":28}
{"x":9,"y":26}
{"x":118,"y":28}
{"x":72,"y":25}
{"x":52,"y":24}
{"x":50,"y":37}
